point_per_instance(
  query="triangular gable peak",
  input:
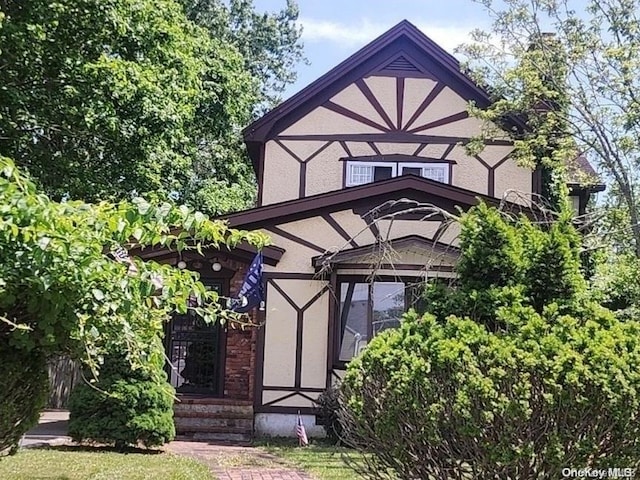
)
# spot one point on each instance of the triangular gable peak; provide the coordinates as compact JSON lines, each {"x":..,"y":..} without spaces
{"x":400,"y":95}
{"x":403,"y":51}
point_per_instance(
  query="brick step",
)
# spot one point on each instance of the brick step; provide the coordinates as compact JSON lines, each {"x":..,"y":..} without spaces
{"x":215,"y":429}
{"x":244,"y":438}
{"x":222,"y":415}
{"x":185,"y":423}
{"x":211,"y":409}
{"x":213,"y":401}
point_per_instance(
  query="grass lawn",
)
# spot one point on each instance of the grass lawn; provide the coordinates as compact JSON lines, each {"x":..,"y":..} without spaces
{"x":82,"y":464}
{"x":320,"y":459}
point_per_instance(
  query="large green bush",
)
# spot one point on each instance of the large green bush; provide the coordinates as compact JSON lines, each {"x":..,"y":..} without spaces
{"x":124,"y":407}
{"x":22,"y":396}
{"x":445,"y":400}
{"x":515,"y":373}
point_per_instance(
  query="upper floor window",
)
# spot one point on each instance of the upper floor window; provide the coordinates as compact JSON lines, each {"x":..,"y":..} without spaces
{"x":359,"y":172}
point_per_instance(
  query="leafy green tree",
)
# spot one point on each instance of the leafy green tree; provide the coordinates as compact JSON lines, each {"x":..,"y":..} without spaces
{"x":514,"y":373}
{"x":269,"y":42}
{"x":270,"y":47}
{"x":60,"y":291}
{"x":108,"y":99}
{"x":588,"y":70}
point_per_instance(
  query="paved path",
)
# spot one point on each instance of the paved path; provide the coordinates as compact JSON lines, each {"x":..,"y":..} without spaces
{"x":237,"y":463}
{"x":226,"y":462}
{"x":51,"y":430}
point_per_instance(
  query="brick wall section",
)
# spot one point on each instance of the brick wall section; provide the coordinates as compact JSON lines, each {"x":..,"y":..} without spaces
{"x":240,"y":363}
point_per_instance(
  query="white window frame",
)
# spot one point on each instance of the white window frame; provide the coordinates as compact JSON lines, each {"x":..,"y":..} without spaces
{"x":349,"y":181}
{"x":435,"y":165}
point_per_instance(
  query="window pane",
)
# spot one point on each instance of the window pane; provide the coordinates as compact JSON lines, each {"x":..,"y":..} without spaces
{"x":382,"y":173}
{"x":412,"y":171}
{"x":360,"y":174}
{"x":354,"y":301}
{"x":388,"y":305}
{"x":435,"y":173}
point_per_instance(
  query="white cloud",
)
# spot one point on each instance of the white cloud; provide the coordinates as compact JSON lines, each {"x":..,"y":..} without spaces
{"x":358,"y":34}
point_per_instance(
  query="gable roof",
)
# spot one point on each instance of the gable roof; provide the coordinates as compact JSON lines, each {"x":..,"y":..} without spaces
{"x":402,"y":48}
{"x":409,"y":241}
{"x":361,"y":199}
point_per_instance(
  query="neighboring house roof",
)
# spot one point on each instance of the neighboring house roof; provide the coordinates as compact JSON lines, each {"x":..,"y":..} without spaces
{"x":400,"y":48}
{"x":361,"y":199}
{"x":583,"y":176}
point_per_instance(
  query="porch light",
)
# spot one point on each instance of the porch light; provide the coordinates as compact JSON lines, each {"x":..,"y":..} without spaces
{"x":216,"y":266}
{"x":182,"y":264}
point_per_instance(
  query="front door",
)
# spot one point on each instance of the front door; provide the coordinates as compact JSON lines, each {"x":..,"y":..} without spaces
{"x":195,"y":351}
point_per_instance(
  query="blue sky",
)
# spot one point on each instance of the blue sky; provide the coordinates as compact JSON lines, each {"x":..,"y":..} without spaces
{"x":334,"y":29}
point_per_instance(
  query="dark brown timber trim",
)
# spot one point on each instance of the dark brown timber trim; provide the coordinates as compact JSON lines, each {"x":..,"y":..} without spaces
{"x":269,"y":388}
{"x":435,"y":91}
{"x":329,"y":105}
{"x":366,"y":91}
{"x":289,"y":276}
{"x":448,"y":150}
{"x":302,"y":188}
{"x":391,"y":137}
{"x":259,"y":376}
{"x":399,"y":101}
{"x":296,"y":239}
{"x":420,"y":148}
{"x":442,"y":121}
{"x":338,"y":228}
{"x":286,"y":410}
{"x":333,"y":313}
{"x":374,"y":148}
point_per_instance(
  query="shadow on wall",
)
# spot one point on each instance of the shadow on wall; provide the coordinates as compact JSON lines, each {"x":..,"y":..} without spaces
{"x":64,"y":374}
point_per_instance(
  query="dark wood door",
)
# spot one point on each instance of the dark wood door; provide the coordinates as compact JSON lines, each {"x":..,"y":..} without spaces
{"x":195,"y":351}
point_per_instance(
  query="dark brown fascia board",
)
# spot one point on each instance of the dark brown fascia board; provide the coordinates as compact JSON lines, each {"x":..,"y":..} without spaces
{"x":397,"y":157}
{"x":332,"y":201}
{"x":398,"y":243}
{"x":243,"y":251}
{"x":446,"y":66}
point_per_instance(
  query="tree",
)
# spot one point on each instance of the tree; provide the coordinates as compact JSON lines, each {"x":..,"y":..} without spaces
{"x":105,"y":100}
{"x":62,"y":292}
{"x":514,"y":373}
{"x":590,"y":67}
{"x":270,"y":47}
{"x":269,"y":42}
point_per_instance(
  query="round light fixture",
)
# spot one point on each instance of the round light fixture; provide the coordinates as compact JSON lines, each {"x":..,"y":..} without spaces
{"x":216,"y":266}
{"x":182,"y":264}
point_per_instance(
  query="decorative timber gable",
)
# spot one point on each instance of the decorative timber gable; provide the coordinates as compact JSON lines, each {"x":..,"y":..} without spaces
{"x":401,"y":95}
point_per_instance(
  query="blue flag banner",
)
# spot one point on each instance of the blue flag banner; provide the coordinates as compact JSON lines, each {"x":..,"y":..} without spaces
{"x":252,"y":292}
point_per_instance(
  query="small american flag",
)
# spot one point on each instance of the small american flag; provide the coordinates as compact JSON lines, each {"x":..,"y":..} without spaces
{"x":301,"y":433}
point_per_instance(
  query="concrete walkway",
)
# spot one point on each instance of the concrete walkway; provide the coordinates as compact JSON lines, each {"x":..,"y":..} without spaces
{"x":51,"y":430}
{"x":226,"y":462}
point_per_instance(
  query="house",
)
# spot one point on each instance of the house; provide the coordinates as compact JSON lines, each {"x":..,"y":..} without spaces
{"x":386,"y":127}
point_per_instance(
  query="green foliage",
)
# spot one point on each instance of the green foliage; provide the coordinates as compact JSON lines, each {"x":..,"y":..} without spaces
{"x":505,"y":261}
{"x":105,"y":99}
{"x":575,"y":88}
{"x":125,"y":407}
{"x":512,"y":373}
{"x":328,"y":403}
{"x":22,"y":396}
{"x":61,"y":293}
{"x":269,"y":42}
{"x":450,"y":399}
